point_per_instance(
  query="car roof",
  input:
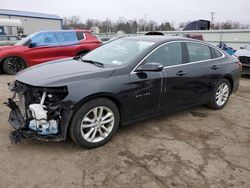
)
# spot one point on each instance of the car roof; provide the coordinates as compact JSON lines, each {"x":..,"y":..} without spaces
{"x":77,"y":30}
{"x":159,"y":39}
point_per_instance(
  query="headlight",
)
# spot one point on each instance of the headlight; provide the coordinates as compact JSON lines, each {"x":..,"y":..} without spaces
{"x":53,"y":95}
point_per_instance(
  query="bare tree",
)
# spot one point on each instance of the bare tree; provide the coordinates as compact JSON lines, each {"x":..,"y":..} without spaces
{"x":72,"y":22}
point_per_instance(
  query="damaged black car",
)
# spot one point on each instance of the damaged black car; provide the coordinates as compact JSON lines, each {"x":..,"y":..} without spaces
{"x":124,"y":81}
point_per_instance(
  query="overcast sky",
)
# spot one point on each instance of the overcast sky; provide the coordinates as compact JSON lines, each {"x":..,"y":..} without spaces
{"x":159,"y":10}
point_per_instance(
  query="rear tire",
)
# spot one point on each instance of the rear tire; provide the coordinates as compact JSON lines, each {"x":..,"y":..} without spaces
{"x":95,"y":123}
{"x":220,"y":94}
{"x":12,"y":65}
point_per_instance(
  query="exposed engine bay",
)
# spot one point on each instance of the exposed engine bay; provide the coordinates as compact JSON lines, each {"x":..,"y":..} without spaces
{"x":37,"y":112}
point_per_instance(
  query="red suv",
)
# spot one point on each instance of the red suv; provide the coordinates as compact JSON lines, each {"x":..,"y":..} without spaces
{"x":46,"y":46}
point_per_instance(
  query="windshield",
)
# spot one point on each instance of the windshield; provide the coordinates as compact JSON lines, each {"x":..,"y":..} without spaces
{"x":119,"y":52}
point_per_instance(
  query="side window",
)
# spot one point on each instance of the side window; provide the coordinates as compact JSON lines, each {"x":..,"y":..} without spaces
{"x":66,"y":38}
{"x":80,"y":35}
{"x":198,"y":52}
{"x":43,"y":39}
{"x":215,"y":53}
{"x":168,"y":55}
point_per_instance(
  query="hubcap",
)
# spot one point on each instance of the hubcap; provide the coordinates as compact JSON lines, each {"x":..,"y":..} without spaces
{"x":97,"y":124}
{"x":15,"y":65}
{"x":222,"y":94}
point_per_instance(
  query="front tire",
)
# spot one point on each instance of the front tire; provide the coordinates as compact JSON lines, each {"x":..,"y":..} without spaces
{"x":95,"y":123}
{"x":12,"y":65}
{"x":220,"y":94}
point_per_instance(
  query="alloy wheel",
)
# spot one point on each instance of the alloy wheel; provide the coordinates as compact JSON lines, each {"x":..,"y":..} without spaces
{"x":97,"y":124}
{"x":14,"y":65}
{"x":222,"y":94}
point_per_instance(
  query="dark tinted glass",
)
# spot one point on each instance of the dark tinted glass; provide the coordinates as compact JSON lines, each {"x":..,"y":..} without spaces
{"x":216,"y":53}
{"x":167,"y":55}
{"x":198,"y":52}
{"x":80,"y":35}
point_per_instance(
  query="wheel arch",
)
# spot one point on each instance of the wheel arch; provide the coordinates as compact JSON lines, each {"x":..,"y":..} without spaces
{"x":109,"y":96}
{"x":4,"y":58}
{"x":231,"y":81}
{"x":8,"y":56}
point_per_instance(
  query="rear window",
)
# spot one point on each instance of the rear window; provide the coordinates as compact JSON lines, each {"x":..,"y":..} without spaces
{"x":168,"y":55}
{"x":80,"y":35}
{"x":216,"y":53}
{"x":198,"y":52}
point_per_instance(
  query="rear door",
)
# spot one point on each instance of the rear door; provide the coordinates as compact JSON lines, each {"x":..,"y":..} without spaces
{"x":168,"y":86}
{"x":175,"y":76}
{"x":204,"y":70}
{"x":68,"y":44}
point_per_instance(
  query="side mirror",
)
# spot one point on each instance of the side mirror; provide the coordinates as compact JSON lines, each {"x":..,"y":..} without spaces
{"x":31,"y":45}
{"x":154,"y":67}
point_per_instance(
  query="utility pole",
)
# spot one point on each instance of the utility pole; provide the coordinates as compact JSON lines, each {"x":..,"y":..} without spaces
{"x":145,"y":22}
{"x":107,"y":26}
{"x":212,"y":19}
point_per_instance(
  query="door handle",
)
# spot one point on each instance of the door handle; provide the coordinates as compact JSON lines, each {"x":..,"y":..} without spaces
{"x":214,"y":67}
{"x":181,"y":73}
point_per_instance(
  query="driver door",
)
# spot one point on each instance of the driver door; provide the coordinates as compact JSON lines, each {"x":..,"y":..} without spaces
{"x":171,"y":86}
{"x":145,"y":93}
{"x":42,"y":48}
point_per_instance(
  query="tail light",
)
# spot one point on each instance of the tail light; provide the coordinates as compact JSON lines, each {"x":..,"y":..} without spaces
{"x":240,"y":65}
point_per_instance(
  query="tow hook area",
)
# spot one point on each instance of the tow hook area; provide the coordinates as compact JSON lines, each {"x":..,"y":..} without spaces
{"x":15,"y":117}
{"x":38,"y":113}
{"x":16,"y":120}
{"x":15,"y":136}
{"x":21,"y":133}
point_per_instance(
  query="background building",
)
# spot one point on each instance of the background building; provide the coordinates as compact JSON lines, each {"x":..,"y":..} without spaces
{"x":95,"y":29}
{"x":30,"y":22}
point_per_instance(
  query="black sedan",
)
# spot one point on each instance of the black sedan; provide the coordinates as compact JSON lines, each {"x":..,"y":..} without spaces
{"x":121,"y":82}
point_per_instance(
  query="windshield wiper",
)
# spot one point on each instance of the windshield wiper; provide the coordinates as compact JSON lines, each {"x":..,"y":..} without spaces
{"x":98,"y":64}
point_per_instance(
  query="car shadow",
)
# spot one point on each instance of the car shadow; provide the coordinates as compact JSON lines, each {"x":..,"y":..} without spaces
{"x":123,"y":131}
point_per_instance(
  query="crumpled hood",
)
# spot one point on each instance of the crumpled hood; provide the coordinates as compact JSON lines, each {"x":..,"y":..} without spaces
{"x":62,"y":73}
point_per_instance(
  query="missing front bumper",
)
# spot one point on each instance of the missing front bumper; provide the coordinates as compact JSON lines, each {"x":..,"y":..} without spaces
{"x":21,"y":115}
{"x":21,"y":131}
{"x":17,"y":121}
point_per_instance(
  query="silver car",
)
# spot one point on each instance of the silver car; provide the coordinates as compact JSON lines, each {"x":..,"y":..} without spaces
{"x":8,"y":40}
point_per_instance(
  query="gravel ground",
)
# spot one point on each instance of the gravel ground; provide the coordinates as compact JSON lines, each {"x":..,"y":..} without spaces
{"x":194,"y":148}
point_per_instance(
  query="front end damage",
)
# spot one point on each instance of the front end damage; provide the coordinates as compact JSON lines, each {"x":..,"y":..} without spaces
{"x":38,"y":113}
